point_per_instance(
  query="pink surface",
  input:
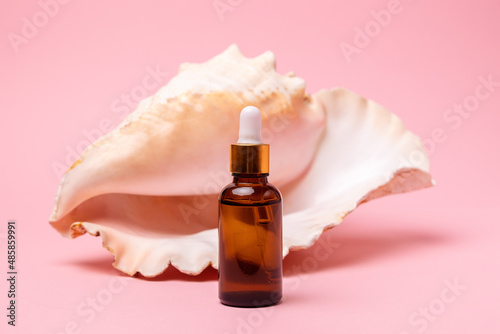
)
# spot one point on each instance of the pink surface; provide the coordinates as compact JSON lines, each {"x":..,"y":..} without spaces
{"x":425,"y":262}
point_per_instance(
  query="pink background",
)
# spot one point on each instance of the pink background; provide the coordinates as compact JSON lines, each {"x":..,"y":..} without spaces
{"x":394,"y":257}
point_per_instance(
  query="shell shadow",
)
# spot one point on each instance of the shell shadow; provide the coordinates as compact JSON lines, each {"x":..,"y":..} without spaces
{"x":333,"y":250}
{"x":173,"y":274}
{"x":103,"y":266}
{"x":98,"y":265}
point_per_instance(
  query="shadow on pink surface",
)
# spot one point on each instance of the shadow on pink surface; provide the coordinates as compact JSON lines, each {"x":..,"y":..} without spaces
{"x":102,"y":266}
{"x":331,"y":251}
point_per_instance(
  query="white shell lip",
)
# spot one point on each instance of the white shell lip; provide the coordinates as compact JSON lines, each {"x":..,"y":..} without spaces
{"x":341,"y":177}
{"x":353,"y":151}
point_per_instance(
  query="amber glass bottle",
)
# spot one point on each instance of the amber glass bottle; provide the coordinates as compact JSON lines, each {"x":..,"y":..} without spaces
{"x":250,"y":231}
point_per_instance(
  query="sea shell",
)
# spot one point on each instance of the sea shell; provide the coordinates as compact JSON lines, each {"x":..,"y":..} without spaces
{"x":149,"y":188}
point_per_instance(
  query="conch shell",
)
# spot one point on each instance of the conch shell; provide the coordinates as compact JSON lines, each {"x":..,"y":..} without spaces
{"x":149,"y":188}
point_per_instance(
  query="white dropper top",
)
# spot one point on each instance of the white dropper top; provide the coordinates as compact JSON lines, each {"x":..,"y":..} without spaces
{"x":250,"y":123}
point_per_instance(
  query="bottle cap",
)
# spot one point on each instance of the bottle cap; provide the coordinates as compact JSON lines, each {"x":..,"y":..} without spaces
{"x":249,"y":155}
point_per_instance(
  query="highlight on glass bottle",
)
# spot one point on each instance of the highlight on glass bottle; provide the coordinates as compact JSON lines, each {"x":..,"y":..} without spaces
{"x":250,"y":223}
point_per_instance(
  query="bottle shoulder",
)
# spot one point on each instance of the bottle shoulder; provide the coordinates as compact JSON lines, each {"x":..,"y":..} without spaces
{"x":250,"y":194}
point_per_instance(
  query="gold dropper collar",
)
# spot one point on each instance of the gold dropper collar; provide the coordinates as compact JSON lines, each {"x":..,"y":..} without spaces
{"x":250,"y":158}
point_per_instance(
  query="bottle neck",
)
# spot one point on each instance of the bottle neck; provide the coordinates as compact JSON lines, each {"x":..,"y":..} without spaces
{"x":250,"y":178}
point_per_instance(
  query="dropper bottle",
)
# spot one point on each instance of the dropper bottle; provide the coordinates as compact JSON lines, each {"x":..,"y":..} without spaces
{"x":250,"y":223}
